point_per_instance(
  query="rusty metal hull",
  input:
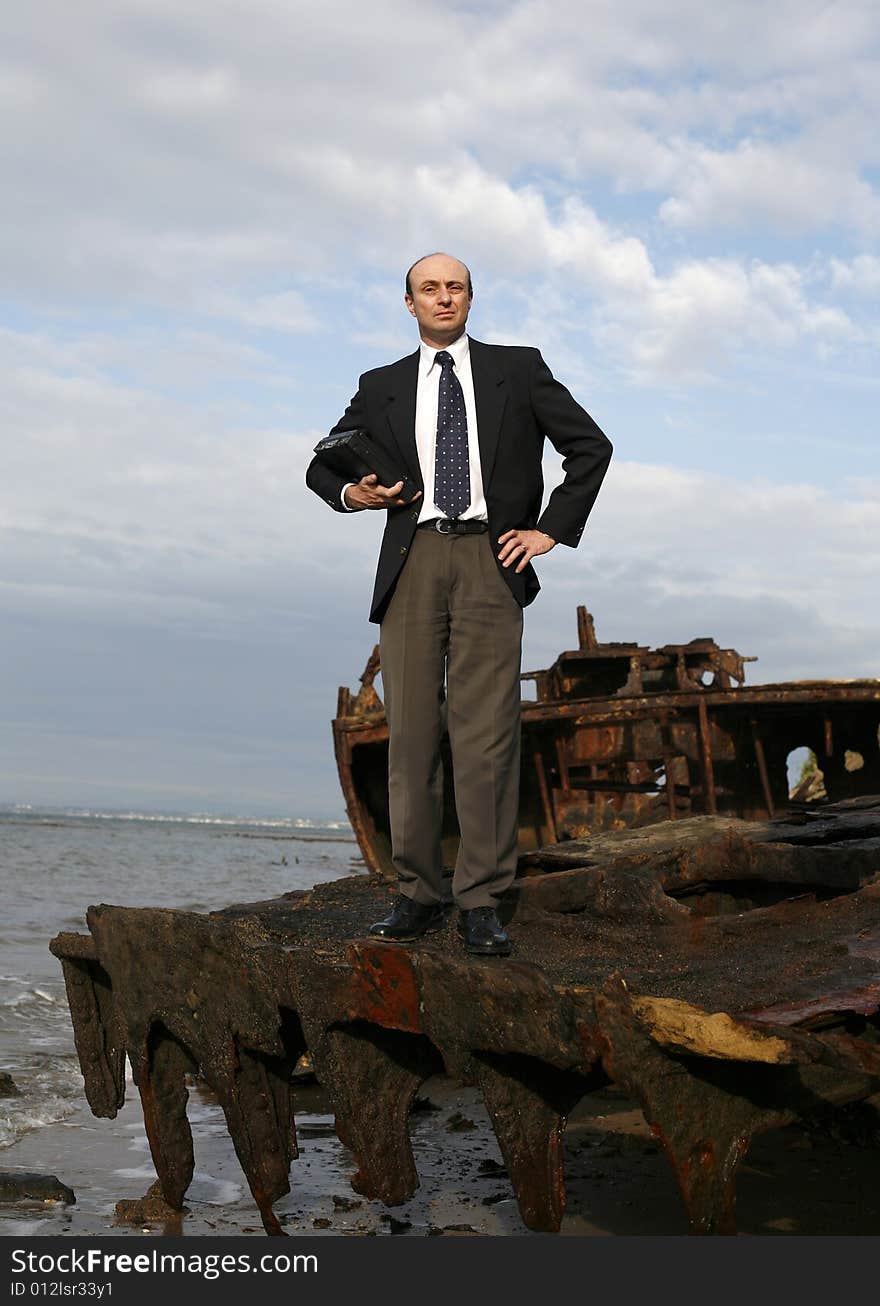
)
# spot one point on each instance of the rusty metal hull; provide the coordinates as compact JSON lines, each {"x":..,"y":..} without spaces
{"x":725,"y":973}
{"x":624,"y":735}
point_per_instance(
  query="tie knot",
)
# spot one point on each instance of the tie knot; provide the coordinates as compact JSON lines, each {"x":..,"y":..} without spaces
{"x":444,"y":359}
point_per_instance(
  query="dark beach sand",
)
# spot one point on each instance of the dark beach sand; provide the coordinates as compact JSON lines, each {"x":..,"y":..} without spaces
{"x":618,"y":1180}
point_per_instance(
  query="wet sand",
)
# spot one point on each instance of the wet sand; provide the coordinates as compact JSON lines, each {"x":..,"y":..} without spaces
{"x":618,"y":1180}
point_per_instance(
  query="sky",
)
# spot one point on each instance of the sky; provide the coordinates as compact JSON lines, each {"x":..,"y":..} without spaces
{"x":208,"y":210}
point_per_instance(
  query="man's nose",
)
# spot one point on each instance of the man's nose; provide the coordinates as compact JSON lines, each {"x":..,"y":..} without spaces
{"x":444,"y":296}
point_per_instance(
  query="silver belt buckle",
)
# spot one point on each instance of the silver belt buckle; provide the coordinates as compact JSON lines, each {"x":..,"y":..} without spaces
{"x":444,"y":525}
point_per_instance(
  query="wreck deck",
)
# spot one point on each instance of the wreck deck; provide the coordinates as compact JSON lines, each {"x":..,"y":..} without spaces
{"x":723,"y":972}
{"x":620,"y":734}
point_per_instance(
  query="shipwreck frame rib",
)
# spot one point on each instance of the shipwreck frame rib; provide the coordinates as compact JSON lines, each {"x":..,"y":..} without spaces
{"x":749,"y":1020}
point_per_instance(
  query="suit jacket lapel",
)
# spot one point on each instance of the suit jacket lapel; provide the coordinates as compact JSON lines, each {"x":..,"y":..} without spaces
{"x":490,"y":396}
{"x":401,"y":413}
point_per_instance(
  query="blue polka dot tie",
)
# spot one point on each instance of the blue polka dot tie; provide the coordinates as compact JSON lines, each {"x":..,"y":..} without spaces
{"x":452,"y":477}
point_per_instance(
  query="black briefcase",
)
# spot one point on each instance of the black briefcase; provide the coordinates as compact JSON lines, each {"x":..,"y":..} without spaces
{"x":353,"y":454}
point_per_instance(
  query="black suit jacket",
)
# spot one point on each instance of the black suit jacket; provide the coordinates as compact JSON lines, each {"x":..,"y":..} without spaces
{"x":518,"y":404}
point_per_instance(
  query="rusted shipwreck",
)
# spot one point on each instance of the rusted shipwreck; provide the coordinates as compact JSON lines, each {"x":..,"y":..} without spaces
{"x":723,"y":972}
{"x":680,"y":930}
{"x":621,"y":734}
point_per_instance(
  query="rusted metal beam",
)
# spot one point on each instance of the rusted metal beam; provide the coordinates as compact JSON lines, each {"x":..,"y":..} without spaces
{"x":586,"y":630}
{"x":546,"y":801}
{"x":562,"y":764}
{"x":669,"y":787}
{"x":706,"y":757}
{"x":762,"y":768}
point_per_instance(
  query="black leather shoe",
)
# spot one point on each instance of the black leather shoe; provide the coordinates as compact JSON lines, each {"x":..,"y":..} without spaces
{"x":409,"y":920}
{"x":483,"y":933}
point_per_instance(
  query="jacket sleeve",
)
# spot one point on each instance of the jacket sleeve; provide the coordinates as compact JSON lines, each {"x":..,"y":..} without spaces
{"x":585,"y":449}
{"x":328,"y":485}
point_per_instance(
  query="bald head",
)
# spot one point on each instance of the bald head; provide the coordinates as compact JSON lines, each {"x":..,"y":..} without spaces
{"x":439,"y":255}
{"x":438,"y":294}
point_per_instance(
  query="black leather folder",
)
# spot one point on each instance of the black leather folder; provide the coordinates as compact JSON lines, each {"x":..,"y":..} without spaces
{"x":353,"y":454}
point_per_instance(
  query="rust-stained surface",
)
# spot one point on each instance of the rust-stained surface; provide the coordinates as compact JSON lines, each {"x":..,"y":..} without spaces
{"x":621,"y":734}
{"x":723,"y":972}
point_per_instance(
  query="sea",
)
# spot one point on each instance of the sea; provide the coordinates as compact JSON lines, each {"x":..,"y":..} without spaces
{"x":56,"y":862}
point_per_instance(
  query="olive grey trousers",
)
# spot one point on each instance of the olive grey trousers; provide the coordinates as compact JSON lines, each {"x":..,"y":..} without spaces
{"x":453,"y":633}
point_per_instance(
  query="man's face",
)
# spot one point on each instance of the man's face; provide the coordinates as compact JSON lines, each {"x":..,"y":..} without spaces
{"x":440,"y":302}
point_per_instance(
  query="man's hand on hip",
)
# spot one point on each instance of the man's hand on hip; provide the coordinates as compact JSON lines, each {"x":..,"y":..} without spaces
{"x":368,"y":494}
{"x":523,"y":545}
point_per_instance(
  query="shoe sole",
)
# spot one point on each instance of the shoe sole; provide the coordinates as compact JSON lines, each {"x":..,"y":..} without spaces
{"x":411,"y":938}
{"x":487,"y":949}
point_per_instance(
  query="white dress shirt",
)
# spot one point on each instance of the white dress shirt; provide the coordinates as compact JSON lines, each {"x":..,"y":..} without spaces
{"x":427,"y":392}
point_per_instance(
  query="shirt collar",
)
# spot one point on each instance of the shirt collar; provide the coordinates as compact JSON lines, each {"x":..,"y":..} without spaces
{"x":459,"y":349}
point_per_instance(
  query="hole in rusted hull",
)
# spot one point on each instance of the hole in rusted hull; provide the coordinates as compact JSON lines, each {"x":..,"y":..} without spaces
{"x":732,"y":897}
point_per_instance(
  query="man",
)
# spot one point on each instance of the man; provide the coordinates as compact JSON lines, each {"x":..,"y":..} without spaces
{"x":466,"y":422}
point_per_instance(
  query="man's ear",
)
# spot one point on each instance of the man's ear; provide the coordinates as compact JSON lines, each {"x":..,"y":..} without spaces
{"x":407,"y":299}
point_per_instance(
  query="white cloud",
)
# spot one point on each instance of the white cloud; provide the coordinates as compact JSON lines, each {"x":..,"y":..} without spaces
{"x":860,"y":276}
{"x":218,"y":164}
{"x":783,"y":571}
{"x":207,"y":213}
{"x":21,"y":89}
{"x":823,"y":548}
{"x":676,"y":326}
{"x":193,"y":125}
{"x":781,"y":185}
{"x":188,"y":90}
{"x":285,"y":311}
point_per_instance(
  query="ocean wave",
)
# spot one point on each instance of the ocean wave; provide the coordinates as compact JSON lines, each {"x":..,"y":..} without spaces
{"x":37,"y":815}
{"x":207,"y":1190}
{"x":19,"y":1116}
{"x":32,"y":1029}
{"x":34,"y":998}
{"x":26,"y":1228}
{"x":317,"y":834}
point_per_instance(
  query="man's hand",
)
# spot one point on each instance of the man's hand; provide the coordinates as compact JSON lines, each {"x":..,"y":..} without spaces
{"x":368,"y":494}
{"x":524,"y":545}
